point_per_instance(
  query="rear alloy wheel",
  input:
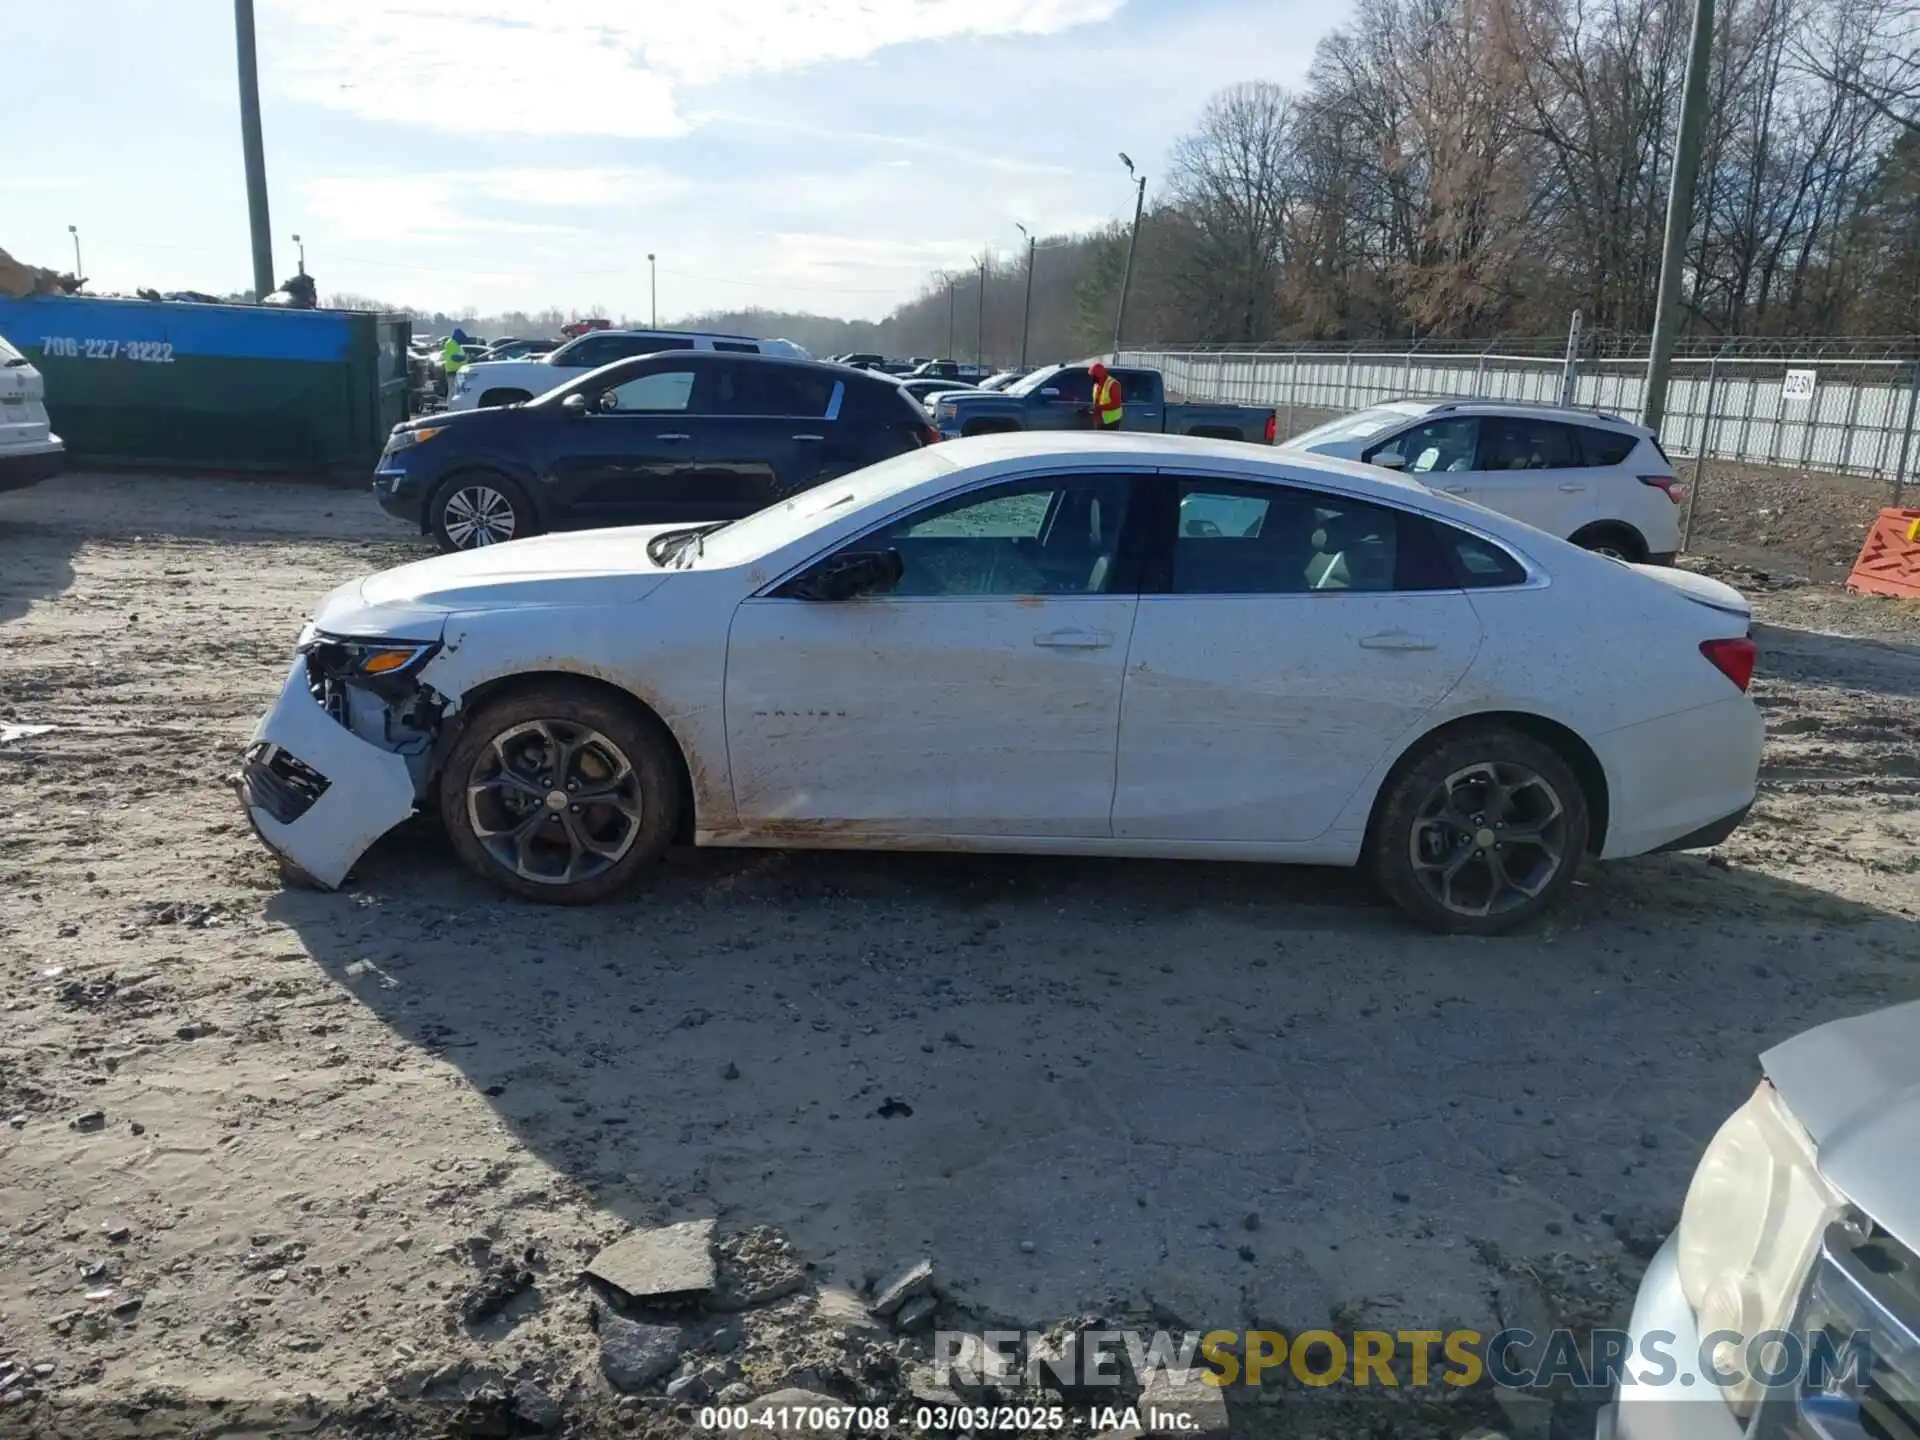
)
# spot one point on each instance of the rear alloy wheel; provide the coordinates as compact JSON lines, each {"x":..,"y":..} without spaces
{"x":559,"y":793}
{"x":1482,"y":833}
{"x":469,"y":511}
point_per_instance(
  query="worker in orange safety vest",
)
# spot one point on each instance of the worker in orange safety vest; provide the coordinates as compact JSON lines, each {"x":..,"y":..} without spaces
{"x":1107,"y":409}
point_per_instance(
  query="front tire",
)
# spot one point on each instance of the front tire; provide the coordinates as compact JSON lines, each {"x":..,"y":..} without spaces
{"x":476,"y":508}
{"x":560,"y":793}
{"x":1481,"y":834}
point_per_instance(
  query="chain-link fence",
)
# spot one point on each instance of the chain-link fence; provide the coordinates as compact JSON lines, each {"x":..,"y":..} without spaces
{"x":1759,"y":405}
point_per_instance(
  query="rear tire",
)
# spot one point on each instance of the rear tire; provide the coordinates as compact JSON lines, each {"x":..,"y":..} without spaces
{"x":560,"y":793}
{"x":479,"y":507}
{"x":1622,"y":542}
{"x":1481,"y":833}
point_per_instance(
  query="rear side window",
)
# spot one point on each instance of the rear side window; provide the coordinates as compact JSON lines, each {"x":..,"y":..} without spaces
{"x":1238,"y":539}
{"x":1605,"y":447}
{"x":771,"y":390}
{"x":625,"y":345}
{"x":737,"y":347}
{"x":1513,"y":442}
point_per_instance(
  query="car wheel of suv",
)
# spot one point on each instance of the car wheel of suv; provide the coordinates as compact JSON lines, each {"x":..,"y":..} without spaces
{"x":559,"y":793}
{"x":1481,"y":833}
{"x":1622,"y":542}
{"x":478,"y":508}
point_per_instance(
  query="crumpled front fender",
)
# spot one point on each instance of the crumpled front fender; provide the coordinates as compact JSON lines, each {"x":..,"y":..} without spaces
{"x":367,"y":790}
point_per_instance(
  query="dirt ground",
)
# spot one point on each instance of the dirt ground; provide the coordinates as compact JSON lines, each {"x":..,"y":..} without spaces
{"x":267,"y":1152}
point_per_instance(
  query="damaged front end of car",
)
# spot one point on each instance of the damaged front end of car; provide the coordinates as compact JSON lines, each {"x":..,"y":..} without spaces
{"x":344,"y":754}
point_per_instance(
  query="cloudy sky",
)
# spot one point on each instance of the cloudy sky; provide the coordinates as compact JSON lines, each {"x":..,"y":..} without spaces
{"x":799,"y":154}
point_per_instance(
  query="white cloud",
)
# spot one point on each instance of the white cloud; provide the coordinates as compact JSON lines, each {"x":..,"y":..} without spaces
{"x":439,"y":206}
{"x":557,"y":67}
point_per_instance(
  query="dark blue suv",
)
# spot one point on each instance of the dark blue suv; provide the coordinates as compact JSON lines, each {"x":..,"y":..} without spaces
{"x":683,"y":435}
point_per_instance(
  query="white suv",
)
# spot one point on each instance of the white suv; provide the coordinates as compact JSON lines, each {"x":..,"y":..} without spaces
{"x":1593,"y":478}
{"x":29,"y":450}
{"x":508,"y":382}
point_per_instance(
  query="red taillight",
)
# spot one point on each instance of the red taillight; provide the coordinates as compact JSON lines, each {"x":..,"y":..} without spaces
{"x":1273,"y":427}
{"x":1667,"y":485}
{"x":1733,"y":658}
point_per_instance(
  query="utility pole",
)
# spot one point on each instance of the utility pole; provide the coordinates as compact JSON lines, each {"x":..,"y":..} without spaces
{"x":653,"y":289}
{"x":949,"y":317}
{"x":254,"y":149}
{"x":1026,"y":308}
{"x":1673,"y":253}
{"x":78,"y":273}
{"x":980,"y":315}
{"x":1126,"y":275}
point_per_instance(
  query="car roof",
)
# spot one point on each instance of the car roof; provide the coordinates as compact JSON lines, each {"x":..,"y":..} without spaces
{"x":688,"y":335}
{"x":741,"y":357}
{"x":1479,"y":405}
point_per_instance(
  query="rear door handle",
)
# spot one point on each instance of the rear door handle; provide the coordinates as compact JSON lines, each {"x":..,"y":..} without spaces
{"x":1454,"y":489}
{"x":809,"y":437}
{"x":675,"y":436}
{"x":1573,"y":489}
{"x":1397,"y":640}
{"x":1074,"y":639}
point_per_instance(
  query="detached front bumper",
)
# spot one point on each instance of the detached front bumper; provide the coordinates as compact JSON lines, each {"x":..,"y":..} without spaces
{"x":315,"y":793}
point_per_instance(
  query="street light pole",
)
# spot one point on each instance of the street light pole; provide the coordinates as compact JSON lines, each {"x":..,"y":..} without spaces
{"x":949,"y":317}
{"x":78,"y":273}
{"x":1026,"y":308}
{"x":980,"y":316}
{"x":1686,"y":169}
{"x":254,"y":149}
{"x":653,"y":289}
{"x":1126,"y":275}
{"x":303,"y":253}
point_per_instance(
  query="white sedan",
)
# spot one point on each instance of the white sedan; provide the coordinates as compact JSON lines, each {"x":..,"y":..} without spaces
{"x":1132,"y":645}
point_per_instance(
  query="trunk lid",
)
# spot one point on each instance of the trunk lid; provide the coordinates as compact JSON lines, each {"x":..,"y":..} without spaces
{"x":1714,"y":594}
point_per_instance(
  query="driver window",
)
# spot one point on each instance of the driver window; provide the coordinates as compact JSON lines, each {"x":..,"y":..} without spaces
{"x":663,"y":392}
{"x":1075,"y":387}
{"x":1058,"y":536}
{"x":1439,"y":447}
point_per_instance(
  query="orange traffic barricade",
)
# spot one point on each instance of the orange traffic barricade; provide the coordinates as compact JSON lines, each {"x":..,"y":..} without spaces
{"x":1889,"y":562}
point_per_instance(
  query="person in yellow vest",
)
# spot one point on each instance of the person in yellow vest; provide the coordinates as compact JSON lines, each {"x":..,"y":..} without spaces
{"x":1108,"y":408}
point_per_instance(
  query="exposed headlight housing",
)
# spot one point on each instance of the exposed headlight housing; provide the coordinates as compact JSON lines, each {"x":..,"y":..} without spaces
{"x":1753,"y":1218}
{"x":382,"y":659}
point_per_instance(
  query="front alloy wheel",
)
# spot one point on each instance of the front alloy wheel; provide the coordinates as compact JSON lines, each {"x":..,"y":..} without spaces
{"x":476,"y":514}
{"x":555,"y":803}
{"x":560,"y":791}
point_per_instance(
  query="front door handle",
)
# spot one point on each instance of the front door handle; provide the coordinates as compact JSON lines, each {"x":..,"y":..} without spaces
{"x":1074,"y":639}
{"x":1397,"y":640}
{"x":1454,"y":489}
{"x":1573,"y":489}
{"x":809,"y":437}
{"x":676,"y":436}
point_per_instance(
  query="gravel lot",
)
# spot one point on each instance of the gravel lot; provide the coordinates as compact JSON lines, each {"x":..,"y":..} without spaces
{"x":1218,"y":1093}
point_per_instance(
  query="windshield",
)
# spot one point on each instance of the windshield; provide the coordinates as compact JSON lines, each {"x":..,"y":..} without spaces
{"x":766,"y":531}
{"x":1034,"y":381}
{"x":1361,"y":425}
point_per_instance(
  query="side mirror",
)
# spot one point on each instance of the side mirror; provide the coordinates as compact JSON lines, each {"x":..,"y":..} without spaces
{"x":1390,"y":460}
{"x":851,"y":574}
{"x":1051,"y":392}
{"x":575,"y":404}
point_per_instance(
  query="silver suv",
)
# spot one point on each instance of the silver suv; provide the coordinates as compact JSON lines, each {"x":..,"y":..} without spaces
{"x":1585,"y":475}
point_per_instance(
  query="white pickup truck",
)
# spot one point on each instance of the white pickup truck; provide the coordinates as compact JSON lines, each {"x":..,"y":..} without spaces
{"x":509,"y":382}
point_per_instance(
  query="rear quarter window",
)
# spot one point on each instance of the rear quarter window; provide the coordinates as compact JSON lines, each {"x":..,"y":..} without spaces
{"x":1605,"y":447}
{"x":1477,"y":564}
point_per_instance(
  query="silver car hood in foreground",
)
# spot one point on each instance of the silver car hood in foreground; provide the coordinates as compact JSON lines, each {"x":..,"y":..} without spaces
{"x":1855,"y":1085}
